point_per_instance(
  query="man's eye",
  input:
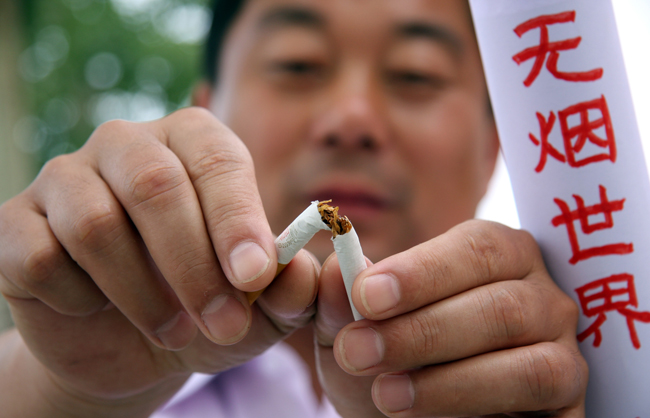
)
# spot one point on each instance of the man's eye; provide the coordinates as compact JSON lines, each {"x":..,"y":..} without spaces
{"x":413,"y":78}
{"x":412,"y":85}
{"x":297,"y":75}
{"x":297,"y":67}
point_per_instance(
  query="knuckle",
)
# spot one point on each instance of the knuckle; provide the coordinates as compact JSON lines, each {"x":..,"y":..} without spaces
{"x":235,"y":211}
{"x":429,"y":264}
{"x":497,"y":250}
{"x":55,"y":166}
{"x":560,"y":311}
{"x":96,"y":228}
{"x":581,"y":372}
{"x":109,"y":131}
{"x":198,"y":120}
{"x":526,"y":240}
{"x":215,"y":163}
{"x":567,"y":312}
{"x":224,"y":155}
{"x":540,"y":375}
{"x":7,"y":213}
{"x":426,"y":333}
{"x":550,"y":376}
{"x":111,"y":128}
{"x":40,"y":264}
{"x":190,"y":267}
{"x":568,"y":308}
{"x":195,"y":115}
{"x":484,"y":249}
{"x":505,"y":314}
{"x":523,"y":244}
{"x":154,"y":181}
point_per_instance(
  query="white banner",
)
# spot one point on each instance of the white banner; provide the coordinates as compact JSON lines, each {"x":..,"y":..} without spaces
{"x":566,"y":122}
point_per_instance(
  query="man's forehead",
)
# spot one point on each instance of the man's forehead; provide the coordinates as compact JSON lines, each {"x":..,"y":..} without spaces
{"x":321,"y":11}
{"x":292,"y":15}
{"x":435,"y":20}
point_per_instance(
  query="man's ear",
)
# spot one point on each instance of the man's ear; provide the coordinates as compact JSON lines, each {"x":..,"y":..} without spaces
{"x":202,"y":94}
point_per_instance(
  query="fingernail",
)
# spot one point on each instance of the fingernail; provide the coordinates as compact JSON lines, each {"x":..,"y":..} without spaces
{"x":395,"y":392}
{"x":362,"y":348}
{"x":379,"y":293}
{"x":226,"y":319}
{"x":175,"y":334}
{"x":248,"y":261}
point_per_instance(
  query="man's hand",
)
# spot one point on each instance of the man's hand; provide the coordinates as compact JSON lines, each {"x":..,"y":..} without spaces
{"x":467,"y":324}
{"x":125,"y":266}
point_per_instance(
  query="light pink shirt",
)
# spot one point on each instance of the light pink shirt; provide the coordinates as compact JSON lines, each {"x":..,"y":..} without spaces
{"x":276,"y":384}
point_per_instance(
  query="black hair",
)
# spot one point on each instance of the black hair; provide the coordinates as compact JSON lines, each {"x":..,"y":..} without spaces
{"x":224,"y":13}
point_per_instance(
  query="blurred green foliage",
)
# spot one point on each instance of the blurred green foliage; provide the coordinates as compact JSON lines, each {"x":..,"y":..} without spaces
{"x":89,"y":61}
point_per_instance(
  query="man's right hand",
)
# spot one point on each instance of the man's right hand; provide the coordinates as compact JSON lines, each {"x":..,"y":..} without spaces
{"x":125,"y":266}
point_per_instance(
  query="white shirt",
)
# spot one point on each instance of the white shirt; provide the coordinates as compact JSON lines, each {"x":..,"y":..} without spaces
{"x":276,"y":384}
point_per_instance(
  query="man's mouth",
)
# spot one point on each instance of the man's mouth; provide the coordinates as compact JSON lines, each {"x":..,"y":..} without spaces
{"x":355,"y":202}
{"x":354,"y":199}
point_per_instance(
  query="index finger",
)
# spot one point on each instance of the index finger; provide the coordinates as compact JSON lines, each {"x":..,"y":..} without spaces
{"x":188,"y":185}
{"x":469,"y":255}
{"x":222,"y":172}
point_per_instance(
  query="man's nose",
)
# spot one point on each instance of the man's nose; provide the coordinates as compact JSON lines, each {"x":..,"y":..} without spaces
{"x":352,"y":116}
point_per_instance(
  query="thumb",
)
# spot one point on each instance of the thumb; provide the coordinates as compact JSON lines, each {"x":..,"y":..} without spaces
{"x":350,"y":395}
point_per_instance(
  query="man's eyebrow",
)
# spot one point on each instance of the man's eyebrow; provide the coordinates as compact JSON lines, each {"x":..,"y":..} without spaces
{"x":433,"y":32}
{"x":292,"y":16}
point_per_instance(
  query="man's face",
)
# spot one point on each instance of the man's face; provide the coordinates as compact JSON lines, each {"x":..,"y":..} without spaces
{"x":379,"y":105}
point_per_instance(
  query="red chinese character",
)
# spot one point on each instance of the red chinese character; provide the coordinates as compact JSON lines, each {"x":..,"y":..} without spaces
{"x":551,"y":49}
{"x":575,"y":137}
{"x":545,"y":127}
{"x":613,"y":293}
{"x":582,"y":214}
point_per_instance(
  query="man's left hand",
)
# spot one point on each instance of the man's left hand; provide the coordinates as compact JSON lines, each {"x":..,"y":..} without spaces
{"x":467,"y":324}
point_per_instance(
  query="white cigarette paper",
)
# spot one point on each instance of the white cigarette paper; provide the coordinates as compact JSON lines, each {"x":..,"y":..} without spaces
{"x":352,"y":262}
{"x":293,"y":238}
{"x":298,"y":233}
{"x":320,"y":216}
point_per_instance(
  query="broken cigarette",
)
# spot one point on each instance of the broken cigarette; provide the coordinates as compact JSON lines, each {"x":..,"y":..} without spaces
{"x":321,"y":216}
{"x":294,"y":237}
{"x":347,"y":248}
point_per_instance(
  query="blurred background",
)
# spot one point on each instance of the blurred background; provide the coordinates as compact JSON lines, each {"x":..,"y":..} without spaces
{"x":71,"y":65}
{"x":66,"y":66}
